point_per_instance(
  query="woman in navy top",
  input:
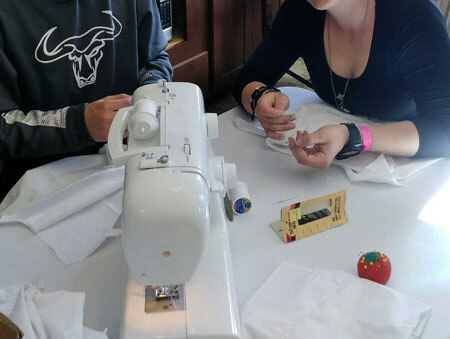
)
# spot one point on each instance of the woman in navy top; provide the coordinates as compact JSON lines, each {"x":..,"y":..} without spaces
{"x":386,"y":59}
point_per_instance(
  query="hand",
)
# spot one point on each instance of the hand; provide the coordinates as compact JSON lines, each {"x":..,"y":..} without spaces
{"x":270,"y":112}
{"x":100,"y":114}
{"x":326,"y":142}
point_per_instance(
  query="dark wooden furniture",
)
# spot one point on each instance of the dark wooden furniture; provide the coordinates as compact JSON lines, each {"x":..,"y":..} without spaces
{"x":189,"y":49}
{"x":237,"y":32}
{"x":214,"y":38}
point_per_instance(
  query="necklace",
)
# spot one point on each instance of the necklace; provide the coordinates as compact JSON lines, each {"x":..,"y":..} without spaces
{"x":339,"y":99}
{"x":340,"y":96}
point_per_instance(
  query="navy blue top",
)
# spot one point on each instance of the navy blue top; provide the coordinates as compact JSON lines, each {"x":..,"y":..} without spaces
{"x":56,"y":56}
{"x":407,"y":76}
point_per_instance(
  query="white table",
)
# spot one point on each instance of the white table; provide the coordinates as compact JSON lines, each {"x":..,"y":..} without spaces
{"x":25,"y":258}
{"x":381,"y":217}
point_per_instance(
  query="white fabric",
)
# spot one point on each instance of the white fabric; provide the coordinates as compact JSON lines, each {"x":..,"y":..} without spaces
{"x":297,"y":302}
{"x":366,"y":166}
{"x":71,"y":204}
{"x":56,"y":315}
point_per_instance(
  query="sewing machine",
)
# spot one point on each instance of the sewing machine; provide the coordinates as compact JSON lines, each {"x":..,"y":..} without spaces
{"x":174,"y":232}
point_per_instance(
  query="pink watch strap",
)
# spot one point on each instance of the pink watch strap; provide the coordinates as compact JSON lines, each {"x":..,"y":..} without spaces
{"x":366,"y":137}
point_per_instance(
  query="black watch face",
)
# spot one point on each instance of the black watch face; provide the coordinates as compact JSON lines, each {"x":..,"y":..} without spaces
{"x":350,"y":153}
{"x":347,"y":154}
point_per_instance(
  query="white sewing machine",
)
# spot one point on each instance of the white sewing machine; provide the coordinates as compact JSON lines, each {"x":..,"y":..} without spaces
{"x":175,"y":240}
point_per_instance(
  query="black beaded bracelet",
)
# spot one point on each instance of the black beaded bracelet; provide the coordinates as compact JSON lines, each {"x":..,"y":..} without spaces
{"x":257,"y":94}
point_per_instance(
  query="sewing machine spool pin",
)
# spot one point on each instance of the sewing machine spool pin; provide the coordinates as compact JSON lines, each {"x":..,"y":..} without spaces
{"x":163,"y":82}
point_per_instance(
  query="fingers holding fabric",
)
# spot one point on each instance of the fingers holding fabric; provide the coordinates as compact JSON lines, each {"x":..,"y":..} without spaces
{"x":317,"y":149}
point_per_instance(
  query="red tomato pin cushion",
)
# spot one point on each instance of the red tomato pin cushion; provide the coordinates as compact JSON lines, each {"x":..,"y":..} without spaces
{"x":374,"y":266}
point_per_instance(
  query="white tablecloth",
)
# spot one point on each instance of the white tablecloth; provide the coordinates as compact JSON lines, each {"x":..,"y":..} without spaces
{"x":381,"y":217}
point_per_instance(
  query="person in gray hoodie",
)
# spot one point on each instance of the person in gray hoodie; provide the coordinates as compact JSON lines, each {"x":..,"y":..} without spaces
{"x":66,"y":67}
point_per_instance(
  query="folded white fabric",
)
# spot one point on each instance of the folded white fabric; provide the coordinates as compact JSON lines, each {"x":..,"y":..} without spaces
{"x":56,"y":315}
{"x":367,"y":166}
{"x":70,"y":204}
{"x":297,"y":302}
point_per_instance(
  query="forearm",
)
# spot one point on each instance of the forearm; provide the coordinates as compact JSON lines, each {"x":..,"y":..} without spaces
{"x":398,"y":139}
{"x":34,"y":134}
{"x":156,"y":69}
{"x":281,"y":47}
{"x":422,"y":60}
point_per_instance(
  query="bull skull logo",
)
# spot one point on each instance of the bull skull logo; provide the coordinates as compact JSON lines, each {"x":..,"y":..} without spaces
{"x":85,"y":50}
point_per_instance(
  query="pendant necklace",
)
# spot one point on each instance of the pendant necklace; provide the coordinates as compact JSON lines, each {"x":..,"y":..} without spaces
{"x":341,"y":96}
{"x":339,"y":99}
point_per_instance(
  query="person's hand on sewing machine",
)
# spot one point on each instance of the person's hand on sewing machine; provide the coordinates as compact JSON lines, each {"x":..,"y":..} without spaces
{"x":100,"y":114}
{"x":319,"y":148}
{"x":269,"y":110}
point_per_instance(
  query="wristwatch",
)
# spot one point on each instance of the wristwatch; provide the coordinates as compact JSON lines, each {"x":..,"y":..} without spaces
{"x":354,"y":144}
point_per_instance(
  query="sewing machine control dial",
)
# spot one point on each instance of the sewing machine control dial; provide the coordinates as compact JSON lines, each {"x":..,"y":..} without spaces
{"x":152,"y":161}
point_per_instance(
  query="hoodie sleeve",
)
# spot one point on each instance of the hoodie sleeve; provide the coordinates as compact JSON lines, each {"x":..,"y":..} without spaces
{"x":35,"y":133}
{"x":154,"y":61}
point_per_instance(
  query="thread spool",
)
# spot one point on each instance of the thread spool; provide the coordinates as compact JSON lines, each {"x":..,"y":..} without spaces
{"x":239,"y":198}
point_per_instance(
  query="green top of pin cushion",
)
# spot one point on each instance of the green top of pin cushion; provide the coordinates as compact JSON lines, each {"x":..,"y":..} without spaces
{"x":371,"y":256}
